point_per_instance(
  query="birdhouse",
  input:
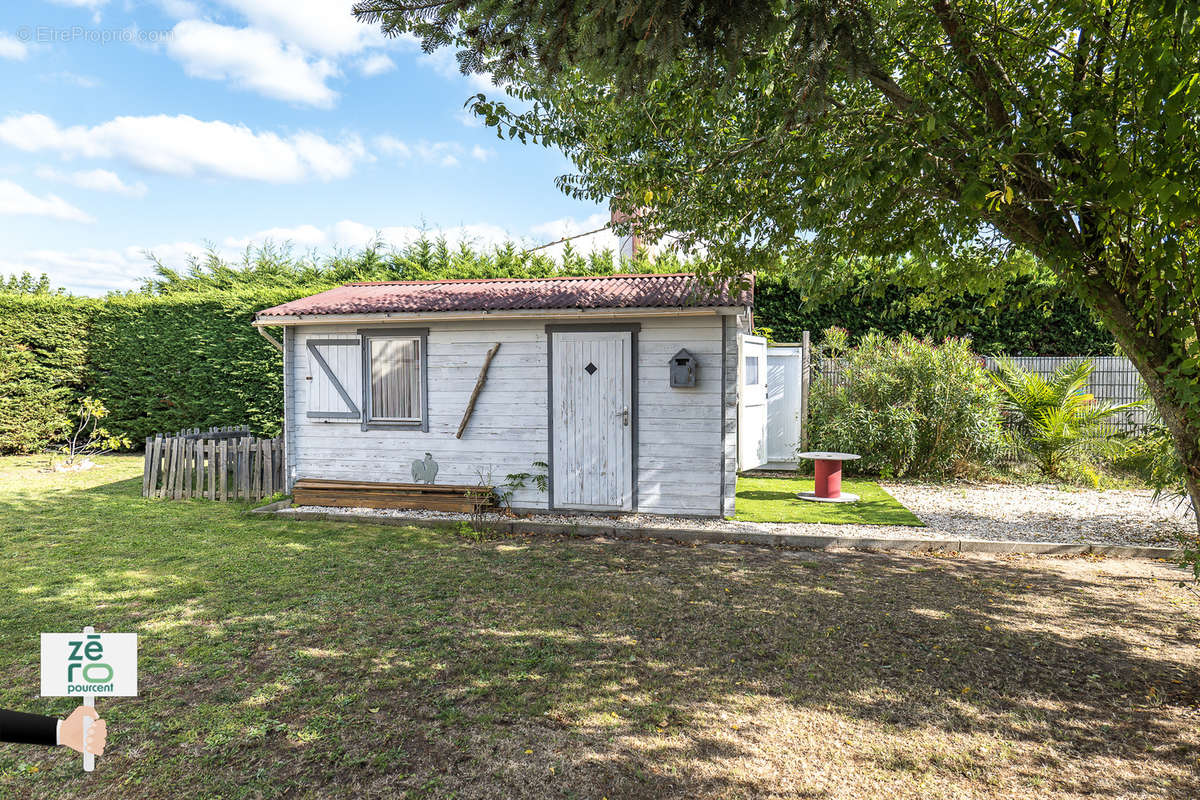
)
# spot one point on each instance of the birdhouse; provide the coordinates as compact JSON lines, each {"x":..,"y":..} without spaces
{"x":683,"y":370}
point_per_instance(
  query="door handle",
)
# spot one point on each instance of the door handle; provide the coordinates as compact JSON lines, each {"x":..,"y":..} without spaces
{"x":624,"y":415}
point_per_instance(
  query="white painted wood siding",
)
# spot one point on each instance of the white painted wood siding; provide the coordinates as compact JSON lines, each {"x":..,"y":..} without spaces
{"x":680,"y":444}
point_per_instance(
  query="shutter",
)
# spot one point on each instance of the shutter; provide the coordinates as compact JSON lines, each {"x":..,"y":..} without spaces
{"x":334,"y":379}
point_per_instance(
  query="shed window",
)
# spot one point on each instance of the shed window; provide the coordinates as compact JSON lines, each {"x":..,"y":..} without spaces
{"x":395,"y":379}
{"x":752,"y":370}
{"x":394,"y":364}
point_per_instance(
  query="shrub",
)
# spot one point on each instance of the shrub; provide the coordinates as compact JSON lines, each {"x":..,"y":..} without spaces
{"x":88,"y":438}
{"x":1055,"y":421}
{"x":907,"y":406}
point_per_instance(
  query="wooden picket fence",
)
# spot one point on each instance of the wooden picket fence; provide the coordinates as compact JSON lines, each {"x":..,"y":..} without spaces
{"x":218,"y":464}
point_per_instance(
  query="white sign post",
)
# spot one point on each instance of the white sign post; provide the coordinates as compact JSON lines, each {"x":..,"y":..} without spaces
{"x":86,"y":665}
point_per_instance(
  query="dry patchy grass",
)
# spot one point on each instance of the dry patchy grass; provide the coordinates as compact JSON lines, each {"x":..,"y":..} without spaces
{"x":287,"y":659}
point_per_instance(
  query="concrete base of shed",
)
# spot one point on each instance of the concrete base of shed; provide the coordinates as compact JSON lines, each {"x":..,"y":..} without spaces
{"x":785,"y":540}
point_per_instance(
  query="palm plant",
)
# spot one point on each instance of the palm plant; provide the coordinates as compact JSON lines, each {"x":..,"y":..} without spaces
{"x":1055,"y":420}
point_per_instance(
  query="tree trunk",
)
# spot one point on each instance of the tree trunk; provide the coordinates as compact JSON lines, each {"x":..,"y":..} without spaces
{"x":1155,"y":356}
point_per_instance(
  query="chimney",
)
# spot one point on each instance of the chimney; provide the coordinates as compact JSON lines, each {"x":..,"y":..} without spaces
{"x":631,"y":243}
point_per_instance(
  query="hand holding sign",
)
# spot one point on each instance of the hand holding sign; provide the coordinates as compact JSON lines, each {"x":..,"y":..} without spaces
{"x":86,"y":665}
{"x":71,"y":734}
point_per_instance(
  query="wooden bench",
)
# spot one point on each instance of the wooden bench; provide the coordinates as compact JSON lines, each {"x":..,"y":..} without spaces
{"x":363,"y":494}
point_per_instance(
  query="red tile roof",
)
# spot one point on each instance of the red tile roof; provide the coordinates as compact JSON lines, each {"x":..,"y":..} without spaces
{"x":504,"y":294}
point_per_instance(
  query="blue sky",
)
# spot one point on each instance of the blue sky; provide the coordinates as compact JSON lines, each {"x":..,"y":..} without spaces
{"x":163,"y":125}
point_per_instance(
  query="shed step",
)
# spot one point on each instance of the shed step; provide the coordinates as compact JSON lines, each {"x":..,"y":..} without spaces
{"x":364,"y":494}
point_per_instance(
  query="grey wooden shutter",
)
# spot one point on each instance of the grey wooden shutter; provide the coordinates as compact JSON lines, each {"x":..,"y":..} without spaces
{"x":334,"y":379}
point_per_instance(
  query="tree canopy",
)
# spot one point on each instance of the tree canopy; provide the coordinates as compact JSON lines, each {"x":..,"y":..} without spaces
{"x":953,"y":131}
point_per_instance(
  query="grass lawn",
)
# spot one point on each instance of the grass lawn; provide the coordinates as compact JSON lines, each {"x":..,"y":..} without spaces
{"x":291,"y":659}
{"x":774,"y":500}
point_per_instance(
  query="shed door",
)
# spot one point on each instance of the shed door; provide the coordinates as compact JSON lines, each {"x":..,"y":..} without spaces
{"x":592,"y":416}
{"x":752,"y":408}
{"x":784,"y":368}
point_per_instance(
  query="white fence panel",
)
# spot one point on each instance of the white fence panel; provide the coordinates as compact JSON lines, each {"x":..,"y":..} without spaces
{"x":1114,"y":379}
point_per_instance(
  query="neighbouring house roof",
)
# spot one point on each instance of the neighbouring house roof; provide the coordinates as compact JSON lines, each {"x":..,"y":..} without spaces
{"x":676,"y":290}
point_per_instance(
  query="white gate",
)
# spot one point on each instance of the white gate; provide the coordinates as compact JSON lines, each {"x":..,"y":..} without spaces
{"x":592,"y":420}
{"x":785,"y":365}
{"x":752,"y":402}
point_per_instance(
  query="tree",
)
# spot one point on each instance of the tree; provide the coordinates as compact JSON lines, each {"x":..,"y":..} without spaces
{"x":788,"y":133}
{"x":25,"y":283}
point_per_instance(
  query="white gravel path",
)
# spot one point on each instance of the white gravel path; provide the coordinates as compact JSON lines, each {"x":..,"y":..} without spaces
{"x":1046,"y":514}
{"x":957,"y":511}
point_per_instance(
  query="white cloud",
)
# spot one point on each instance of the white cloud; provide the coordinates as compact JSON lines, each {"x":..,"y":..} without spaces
{"x":185,"y":146}
{"x":13,"y":48}
{"x":319,"y":26}
{"x":82,"y":81}
{"x":376,"y":64}
{"x":444,"y":154}
{"x":15,"y":199}
{"x":97,"y":180}
{"x":301,"y":236}
{"x":393,"y":147}
{"x":254,"y":60}
{"x":96,"y":271}
{"x":349,"y":234}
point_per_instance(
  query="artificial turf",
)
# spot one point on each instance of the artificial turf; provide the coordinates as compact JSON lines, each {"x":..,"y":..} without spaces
{"x":774,"y":500}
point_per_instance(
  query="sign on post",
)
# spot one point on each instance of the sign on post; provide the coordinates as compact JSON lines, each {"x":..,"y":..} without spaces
{"x":89,"y":665}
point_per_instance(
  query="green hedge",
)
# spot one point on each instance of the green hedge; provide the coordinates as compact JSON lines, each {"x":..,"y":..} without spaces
{"x":43,"y":363}
{"x":157,"y":363}
{"x":1023,"y":320}
{"x":185,"y":360}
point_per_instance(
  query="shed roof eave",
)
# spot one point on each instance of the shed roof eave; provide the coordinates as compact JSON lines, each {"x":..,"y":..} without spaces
{"x":518,"y":314}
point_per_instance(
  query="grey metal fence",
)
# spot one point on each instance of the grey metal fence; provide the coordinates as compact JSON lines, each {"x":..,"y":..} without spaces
{"x":1114,"y":379}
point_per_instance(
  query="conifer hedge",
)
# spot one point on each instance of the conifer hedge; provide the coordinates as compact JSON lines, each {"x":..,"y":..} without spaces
{"x":157,"y":363}
{"x":43,"y":361}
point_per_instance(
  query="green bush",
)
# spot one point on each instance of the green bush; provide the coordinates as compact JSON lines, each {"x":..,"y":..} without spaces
{"x":186,"y":360}
{"x":907,"y":406}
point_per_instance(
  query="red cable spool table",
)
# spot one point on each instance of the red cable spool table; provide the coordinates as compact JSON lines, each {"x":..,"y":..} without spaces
{"x":827,"y":485}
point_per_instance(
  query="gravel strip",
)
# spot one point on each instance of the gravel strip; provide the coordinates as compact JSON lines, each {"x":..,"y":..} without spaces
{"x":1047,"y":514}
{"x":960,"y":511}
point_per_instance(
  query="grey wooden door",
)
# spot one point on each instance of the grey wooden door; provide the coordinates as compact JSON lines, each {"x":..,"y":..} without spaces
{"x":592,"y":417}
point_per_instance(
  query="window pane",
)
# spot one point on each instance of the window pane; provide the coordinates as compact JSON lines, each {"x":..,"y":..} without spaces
{"x":751,"y":370}
{"x":395,"y":379}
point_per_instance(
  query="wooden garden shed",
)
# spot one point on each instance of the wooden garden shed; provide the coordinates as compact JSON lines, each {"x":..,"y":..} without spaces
{"x":628,"y":387}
